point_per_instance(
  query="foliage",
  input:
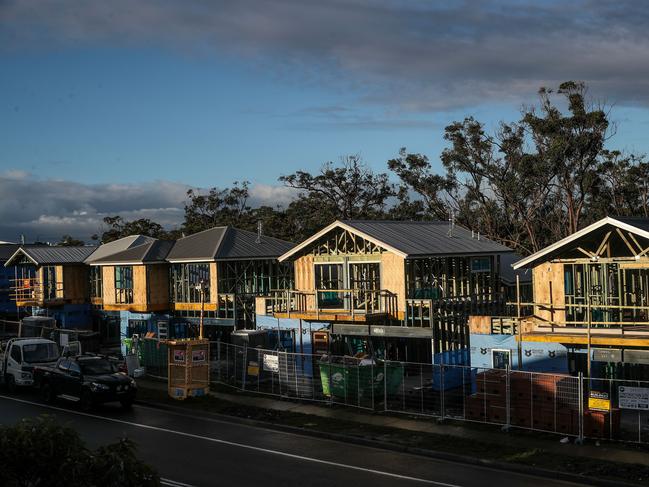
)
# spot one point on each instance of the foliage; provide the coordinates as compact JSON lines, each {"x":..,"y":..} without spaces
{"x":532,"y":181}
{"x":119,"y":228}
{"x":218,"y":208}
{"x":350,"y":190}
{"x":69,"y":241}
{"x":41,"y":452}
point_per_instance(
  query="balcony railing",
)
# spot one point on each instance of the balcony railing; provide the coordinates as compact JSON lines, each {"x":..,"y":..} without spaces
{"x":351,"y":302}
{"x":423,"y":312}
{"x":31,"y":290}
{"x":123,"y":296}
{"x":578,"y":317}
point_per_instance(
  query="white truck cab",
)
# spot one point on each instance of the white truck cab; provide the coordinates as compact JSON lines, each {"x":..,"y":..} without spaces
{"x":18,"y":357}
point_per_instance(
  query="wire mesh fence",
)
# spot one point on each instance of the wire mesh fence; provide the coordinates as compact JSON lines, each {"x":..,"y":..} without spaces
{"x":553,"y":403}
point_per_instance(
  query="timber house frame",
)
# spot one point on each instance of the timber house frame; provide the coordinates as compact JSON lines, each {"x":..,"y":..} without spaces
{"x":235,"y":267}
{"x":592,"y":288}
{"x":401,"y":279}
{"x":49,"y":276}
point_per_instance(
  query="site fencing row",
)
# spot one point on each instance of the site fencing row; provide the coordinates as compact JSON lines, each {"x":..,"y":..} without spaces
{"x":552,"y":403}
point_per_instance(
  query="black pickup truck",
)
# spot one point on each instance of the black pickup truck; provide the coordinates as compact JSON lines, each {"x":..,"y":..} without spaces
{"x":86,"y":379}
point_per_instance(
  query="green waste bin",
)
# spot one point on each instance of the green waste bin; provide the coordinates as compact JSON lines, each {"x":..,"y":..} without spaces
{"x":353,"y":382}
{"x":153,"y":356}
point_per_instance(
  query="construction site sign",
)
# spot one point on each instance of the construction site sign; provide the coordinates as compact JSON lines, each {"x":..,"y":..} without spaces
{"x":633,"y":397}
{"x":599,"y":401}
{"x":271,"y":363}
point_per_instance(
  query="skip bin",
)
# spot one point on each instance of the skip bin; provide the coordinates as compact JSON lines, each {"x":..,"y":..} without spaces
{"x":351,"y":381}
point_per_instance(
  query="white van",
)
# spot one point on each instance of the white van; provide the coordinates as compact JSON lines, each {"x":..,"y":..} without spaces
{"x":18,"y":357}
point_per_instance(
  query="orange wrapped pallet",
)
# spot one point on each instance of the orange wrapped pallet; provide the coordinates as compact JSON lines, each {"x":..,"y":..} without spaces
{"x":189,"y":368}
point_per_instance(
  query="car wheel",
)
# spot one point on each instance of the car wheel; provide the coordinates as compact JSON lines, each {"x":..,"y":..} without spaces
{"x":47,"y":393}
{"x":11,"y":383}
{"x":126,"y":403}
{"x":86,"y":401}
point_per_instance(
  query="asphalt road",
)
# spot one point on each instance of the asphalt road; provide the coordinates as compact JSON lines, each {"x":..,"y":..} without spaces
{"x":192,"y":451}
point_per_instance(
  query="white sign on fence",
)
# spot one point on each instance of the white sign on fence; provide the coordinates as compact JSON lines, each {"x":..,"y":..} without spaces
{"x":271,"y":363}
{"x":634,"y":397}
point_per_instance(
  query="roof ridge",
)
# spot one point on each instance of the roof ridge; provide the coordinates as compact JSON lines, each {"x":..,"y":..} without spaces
{"x":203,"y":231}
{"x":262,"y":235}
{"x":219,"y":242}
{"x":423,"y":222}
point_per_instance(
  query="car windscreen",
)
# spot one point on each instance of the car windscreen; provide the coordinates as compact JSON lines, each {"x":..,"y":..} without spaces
{"x":96,"y":367}
{"x":40,"y":352}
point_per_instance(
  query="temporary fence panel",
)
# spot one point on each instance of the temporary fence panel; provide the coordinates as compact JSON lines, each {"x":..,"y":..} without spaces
{"x":554,"y":403}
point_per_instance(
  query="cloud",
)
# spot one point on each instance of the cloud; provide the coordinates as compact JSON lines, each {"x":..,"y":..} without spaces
{"x":417,"y":55}
{"x":269,"y":195}
{"x":47,"y":209}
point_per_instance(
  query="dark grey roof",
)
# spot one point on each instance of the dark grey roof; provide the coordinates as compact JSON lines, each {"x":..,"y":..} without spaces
{"x":198,"y":246}
{"x":53,"y":255}
{"x":638,"y":222}
{"x":117,"y":246}
{"x":241,"y":244}
{"x":425,"y":238}
{"x":152,"y":250}
{"x":7,"y":250}
{"x":507,"y":272}
{"x":223,"y":243}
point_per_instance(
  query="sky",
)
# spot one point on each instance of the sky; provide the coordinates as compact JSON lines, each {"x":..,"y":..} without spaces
{"x":119,"y":107}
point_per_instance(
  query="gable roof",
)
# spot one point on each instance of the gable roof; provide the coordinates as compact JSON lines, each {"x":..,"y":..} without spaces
{"x":411,"y":239}
{"x":116,"y":246}
{"x":52,"y":255}
{"x":637,"y":226}
{"x":134,"y":249}
{"x":226,"y":243}
{"x":7,"y":250}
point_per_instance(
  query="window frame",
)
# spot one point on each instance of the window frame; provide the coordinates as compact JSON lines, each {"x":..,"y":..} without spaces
{"x":122,"y":278}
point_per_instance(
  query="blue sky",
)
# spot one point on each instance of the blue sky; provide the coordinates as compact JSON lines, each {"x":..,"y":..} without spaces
{"x":128,"y":98}
{"x":102,"y":114}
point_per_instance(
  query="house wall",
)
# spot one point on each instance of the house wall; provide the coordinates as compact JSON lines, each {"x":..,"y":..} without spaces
{"x":537,"y":356}
{"x":304,"y":278}
{"x":108,"y":284}
{"x":548,"y":285}
{"x":150,"y":289}
{"x":157,"y":280}
{"x":140,"y":292}
{"x":75,"y":283}
{"x":393,"y":278}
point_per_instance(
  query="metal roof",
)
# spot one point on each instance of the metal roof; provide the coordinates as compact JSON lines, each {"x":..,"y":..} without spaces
{"x":117,"y":246}
{"x":7,"y":250}
{"x":508,"y":273}
{"x":140,"y":250}
{"x":637,"y":226}
{"x":52,"y":255}
{"x":412,"y":239}
{"x":226,"y":243}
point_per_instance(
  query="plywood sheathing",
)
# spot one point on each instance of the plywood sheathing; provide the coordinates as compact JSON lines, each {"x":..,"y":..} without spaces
{"x":548,"y":283}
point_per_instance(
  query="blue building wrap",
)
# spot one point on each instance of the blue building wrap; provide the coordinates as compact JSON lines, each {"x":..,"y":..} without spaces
{"x":68,"y":316}
{"x":7,"y":305}
{"x":537,"y":356}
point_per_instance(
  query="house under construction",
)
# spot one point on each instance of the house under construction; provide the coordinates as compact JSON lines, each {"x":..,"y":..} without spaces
{"x":590,"y":306}
{"x":399,"y":289}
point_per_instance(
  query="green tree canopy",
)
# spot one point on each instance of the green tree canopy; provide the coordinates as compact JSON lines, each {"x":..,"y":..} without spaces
{"x":42,"y":453}
{"x":119,"y":228}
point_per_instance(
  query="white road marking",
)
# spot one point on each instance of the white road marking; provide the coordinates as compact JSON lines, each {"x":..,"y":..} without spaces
{"x":239,"y":445}
{"x":173,"y":483}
